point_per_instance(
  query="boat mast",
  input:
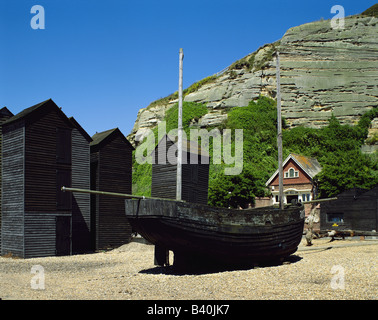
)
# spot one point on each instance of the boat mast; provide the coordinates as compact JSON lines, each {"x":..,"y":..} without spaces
{"x":279,"y":134}
{"x":179,"y":133}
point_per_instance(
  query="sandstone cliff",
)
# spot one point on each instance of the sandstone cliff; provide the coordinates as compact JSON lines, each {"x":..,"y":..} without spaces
{"x":323,"y":71}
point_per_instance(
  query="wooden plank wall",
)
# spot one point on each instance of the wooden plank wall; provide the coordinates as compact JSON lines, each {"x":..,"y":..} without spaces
{"x":359,"y":208}
{"x":94,"y":181}
{"x":30,"y":173}
{"x":114,"y":175}
{"x":195,"y":182}
{"x":163,"y":182}
{"x":40,"y":234}
{"x":48,"y":139}
{"x":3,"y":116}
{"x":41,"y":163}
{"x":12,"y":232}
{"x":81,"y":213}
{"x":40,"y":156}
{"x":194,"y":177}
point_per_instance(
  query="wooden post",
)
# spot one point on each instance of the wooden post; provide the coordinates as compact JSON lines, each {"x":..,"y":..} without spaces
{"x":111,"y":194}
{"x":279,"y":133}
{"x":179,"y":128}
{"x":161,"y":257}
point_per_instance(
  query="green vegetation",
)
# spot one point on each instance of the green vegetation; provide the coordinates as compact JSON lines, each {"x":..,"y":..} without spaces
{"x":164,"y":101}
{"x":259,"y":122}
{"x":242,"y":63}
{"x":190,"y":111}
{"x":192,"y":88}
{"x":338,"y":149}
{"x":336,"y":146}
{"x":195,"y":86}
{"x":142,"y":172}
{"x":372,"y":11}
{"x":372,"y":140}
{"x":249,"y":62}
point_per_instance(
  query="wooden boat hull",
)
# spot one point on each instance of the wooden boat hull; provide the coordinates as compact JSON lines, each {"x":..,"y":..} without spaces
{"x":220,"y":235}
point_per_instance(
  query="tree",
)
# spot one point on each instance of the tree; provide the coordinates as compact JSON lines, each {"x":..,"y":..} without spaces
{"x":343,"y":170}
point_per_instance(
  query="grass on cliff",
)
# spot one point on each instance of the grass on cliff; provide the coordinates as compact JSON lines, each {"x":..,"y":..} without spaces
{"x":142,"y":173}
{"x":249,"y":62}
{"x":336,"y":146}
{"x":372,"y":11}
{"x":192,"y":88}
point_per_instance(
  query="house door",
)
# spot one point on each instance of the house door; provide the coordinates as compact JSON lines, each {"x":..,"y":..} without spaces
{"x":63,"y":236}
{"x":291,"y":197}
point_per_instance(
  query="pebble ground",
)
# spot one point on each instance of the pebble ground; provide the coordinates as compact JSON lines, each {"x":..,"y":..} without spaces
{"x":341,"y":269}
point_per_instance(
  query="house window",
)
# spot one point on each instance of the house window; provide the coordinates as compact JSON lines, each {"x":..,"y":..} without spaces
{"x":303,"y":197}
{"x":291,"y":173}
{"x":335,"y":217}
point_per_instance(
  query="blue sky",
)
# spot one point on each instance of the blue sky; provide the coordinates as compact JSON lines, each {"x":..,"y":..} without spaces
{"x":101,"y":61}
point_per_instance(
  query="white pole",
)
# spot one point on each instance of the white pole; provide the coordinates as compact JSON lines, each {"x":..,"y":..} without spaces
{"x":179,"y":128}
{"x":279,"y":134}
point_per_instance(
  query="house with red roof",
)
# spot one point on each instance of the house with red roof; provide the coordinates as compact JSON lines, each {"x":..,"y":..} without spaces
{"x":298,"y":174}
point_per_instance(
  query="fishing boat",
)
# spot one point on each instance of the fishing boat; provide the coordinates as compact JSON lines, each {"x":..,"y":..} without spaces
{"x":200,"y":234}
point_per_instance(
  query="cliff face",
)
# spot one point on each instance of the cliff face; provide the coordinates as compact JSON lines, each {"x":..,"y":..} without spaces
{"x":323,"y":71}
{"x":329,"y":71}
